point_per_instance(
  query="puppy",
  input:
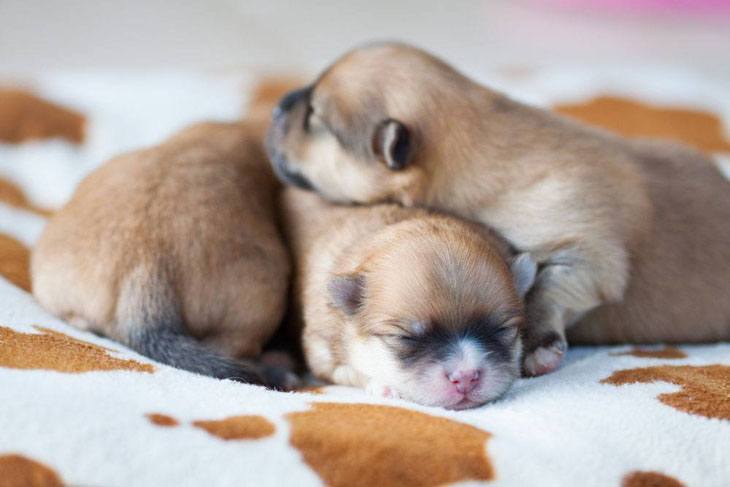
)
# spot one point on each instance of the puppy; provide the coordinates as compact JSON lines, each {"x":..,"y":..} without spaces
{"x":405,"y":303}
{"x":175,"y":252}
{"x":632,"y":238}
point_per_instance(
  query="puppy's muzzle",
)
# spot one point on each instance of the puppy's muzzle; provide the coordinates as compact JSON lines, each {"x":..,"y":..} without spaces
{"x":276,"y":136}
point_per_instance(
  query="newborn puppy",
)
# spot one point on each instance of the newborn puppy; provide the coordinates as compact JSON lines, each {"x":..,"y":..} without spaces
{"x":174,"y":251}
{"x":632,"y":237}
{"x":405,"y":303}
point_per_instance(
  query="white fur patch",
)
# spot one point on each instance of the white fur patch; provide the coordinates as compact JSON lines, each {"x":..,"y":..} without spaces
{"x":470,"y":356}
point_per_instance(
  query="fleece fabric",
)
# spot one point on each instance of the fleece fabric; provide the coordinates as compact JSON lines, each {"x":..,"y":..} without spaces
{"x":77,"y":409}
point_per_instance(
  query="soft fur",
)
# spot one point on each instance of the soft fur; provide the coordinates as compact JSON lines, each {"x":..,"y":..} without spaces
{"x":396,"y":299}
{"x":173,"y":242}
{"x":633,"y":238}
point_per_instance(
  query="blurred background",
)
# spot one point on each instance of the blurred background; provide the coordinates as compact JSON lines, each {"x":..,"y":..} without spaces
{"x":38,"y":35}
{"x":124,"y":74}
{"x":82,"y":81}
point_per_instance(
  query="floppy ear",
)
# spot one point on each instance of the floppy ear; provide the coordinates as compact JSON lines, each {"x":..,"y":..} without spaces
{"x":392,"y":144}
{"x":524,"y":271}
{"x":346,"y":292}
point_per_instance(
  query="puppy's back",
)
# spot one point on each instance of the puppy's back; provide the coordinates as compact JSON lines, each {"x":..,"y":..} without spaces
{"x":180,"y":237}
{"x":678,"y":291}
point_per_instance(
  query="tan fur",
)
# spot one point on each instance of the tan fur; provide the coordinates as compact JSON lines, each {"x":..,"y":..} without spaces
{"x":417,"y":266}
{"x":680,"y":278}
{"x":641,"y":232}
{"x":192,"y":219}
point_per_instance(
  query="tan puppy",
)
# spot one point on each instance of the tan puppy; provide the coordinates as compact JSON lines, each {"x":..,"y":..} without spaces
{"x":167,"y":245}
{"x":406,"y":303}
{"x":643,"y":226}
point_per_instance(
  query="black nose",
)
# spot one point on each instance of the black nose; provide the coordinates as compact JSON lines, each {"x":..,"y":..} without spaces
{"x":291,"y":99}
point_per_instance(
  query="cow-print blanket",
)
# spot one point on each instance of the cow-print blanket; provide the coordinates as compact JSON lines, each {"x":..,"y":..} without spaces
{"x":76,"y":409}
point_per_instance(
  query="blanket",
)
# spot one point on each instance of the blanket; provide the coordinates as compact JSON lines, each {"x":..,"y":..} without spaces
{"x":78,"y":409}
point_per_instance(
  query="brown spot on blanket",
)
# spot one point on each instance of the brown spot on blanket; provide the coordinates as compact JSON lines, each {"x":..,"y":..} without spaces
{"x":15,"y":262}
{"x":665,"y":353}
{"x":635,"y":119}
{"x":705,"y":389}
{"x":313,"y":390}
{"x":364,"y":444}
{"x":162,"y":420}
{"x":649,"y":479}
{"x":56,"y":351}
{"x":238,"y":427}
{"x":12,"y":195}
{"x":24,"y":116}
{"x":19,"y":471}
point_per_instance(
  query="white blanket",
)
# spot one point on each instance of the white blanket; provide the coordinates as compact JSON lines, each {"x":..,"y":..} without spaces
{"x":77,"y":409}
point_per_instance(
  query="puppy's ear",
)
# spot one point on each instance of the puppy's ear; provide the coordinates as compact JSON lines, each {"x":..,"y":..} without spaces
{"x":524,"y":272}
{"x":392,"y":144}
{"x":346,"y":292}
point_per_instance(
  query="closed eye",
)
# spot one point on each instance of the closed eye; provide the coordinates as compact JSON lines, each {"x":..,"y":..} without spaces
{"x":391,"y":336}
{"x":506,"y":333}
{"x":308,"y":116}
{"x":496,"y":327}
{"x":395,"y":340}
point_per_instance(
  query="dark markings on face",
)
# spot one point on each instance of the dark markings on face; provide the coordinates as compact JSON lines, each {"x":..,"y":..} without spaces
{"x":438,"y":343}
{"x":288,"y":175}
{"x":280,"y":163}
{"x":292,"y":98}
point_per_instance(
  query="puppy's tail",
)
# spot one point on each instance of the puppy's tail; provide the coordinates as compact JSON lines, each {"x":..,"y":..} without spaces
{"x":149,"y":322}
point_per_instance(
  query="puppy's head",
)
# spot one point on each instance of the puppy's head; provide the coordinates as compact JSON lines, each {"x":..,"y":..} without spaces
{"x":437,"y":313}
{"x":368,"y":128}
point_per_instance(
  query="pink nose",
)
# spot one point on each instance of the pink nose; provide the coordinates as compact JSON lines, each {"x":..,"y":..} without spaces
{"x":464,"y":381}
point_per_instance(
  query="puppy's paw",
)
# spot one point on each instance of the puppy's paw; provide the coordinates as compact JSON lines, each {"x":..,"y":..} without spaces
{"x":545,"y":358}
{"x":380,"y":390}
{"x":281,"y":379}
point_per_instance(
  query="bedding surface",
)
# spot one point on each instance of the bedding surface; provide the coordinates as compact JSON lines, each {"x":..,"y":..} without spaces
{"x":77,"y":409}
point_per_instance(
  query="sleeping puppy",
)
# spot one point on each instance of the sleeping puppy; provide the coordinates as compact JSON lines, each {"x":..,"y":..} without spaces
{"x":174,"y":251}
{"x":405,"y":303}
{"x":632,"y":238}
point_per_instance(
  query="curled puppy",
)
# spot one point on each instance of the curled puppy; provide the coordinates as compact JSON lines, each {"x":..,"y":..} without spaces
{"x":405,"y":303}
{"x":632,"y":237}
{"x":174,"y":251}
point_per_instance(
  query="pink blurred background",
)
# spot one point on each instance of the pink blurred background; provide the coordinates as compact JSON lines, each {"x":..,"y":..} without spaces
{"x":42,"y":35}
{"x":661,"y":6}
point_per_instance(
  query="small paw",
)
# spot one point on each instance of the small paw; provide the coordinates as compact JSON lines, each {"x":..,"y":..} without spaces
{"x":380,"y":390}
{"x":281,"y":379}
{"x":545,"y":359}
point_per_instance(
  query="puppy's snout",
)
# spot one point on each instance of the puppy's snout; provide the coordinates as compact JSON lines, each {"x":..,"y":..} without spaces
{"x":465,"y":381}
{"x":290,"y":100}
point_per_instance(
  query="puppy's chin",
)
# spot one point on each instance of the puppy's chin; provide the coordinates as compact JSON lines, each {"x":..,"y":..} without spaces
{"x":465,"y":404}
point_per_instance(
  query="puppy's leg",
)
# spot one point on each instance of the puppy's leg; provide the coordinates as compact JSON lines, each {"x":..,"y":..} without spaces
{"x":544,"y":336}
{"x":570,"y":284}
